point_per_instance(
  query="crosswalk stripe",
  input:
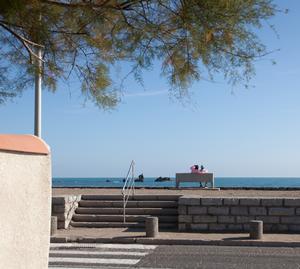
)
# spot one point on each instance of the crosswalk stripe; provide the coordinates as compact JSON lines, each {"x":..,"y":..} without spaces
{"x":94,"y":261}
{"x":83,"y":252}
{"x":109,"y":246}
{"x":83,"y":256}
{"x":107,"y":267}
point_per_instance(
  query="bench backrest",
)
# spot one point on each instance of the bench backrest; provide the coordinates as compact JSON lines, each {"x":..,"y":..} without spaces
{"x":194,"y":177}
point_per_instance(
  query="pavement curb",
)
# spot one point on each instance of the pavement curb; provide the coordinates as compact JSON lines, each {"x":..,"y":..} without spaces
{"x":164,"y":241}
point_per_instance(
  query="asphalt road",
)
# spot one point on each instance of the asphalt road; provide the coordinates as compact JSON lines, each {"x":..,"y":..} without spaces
{"x":214,"y":257}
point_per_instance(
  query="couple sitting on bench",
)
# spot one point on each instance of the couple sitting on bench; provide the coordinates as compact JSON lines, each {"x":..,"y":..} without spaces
{"x":197,"y":175}
{"x":195,"y":169}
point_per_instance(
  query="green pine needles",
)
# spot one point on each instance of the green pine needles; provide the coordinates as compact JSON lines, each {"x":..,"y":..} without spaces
{"x":86,"y":38}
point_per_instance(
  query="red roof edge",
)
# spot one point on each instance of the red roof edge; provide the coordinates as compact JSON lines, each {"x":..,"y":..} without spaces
{"x":24,"y":144}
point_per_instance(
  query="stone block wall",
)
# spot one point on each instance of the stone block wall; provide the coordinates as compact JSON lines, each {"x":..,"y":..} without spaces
{"x":233,"y":214}
{"x":64,"y":207}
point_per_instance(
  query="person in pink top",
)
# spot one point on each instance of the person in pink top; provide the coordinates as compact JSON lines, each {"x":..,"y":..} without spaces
{"x":202,"y":170}
{"x":195,"y":168}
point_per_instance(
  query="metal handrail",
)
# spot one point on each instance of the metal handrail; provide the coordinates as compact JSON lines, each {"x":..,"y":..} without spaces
{"x":128,"y":188}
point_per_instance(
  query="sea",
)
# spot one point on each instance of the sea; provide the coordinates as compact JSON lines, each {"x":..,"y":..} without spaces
{"x":222,"y":182}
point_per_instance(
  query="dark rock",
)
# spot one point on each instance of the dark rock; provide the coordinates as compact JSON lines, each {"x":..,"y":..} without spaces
{"x":140,"y":178}
{"x":160,"y":179}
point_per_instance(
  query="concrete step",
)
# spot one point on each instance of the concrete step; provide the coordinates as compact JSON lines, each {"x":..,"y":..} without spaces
{"x":83,"y":224}
{"x":129,"y":211}
{"x":119,"y":225}
{"x":130,"y":204}
{"x":138,"y":197}
{"x":119,"y":218}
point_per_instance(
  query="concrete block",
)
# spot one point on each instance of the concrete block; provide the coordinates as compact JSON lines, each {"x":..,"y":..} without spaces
{"x":290,"y":220}
{"x":194,"y":201}
{"x":246,"y":227}
{"x":238,"y":210}
{"x":235,"y":227}
{"x":258,"y":211}
{"x":58,"y":200}
{"x":226,"y":219}
{"x":269,"y":219}
{"x":211,"y":201}
{"x":61,"y":225}
{"x":249,"y":201}
{"x":199,"y":227}
{"x":216,"y":227}
{"x":182,"y":210}
{"x":182,"y":227}
{"x":188,"y":226}
{"x":189,"y":200}
{"x":292,"y":202}
{"x":197,"y":210}
{"x":151,"y":225}
{"x":218,"y":210}
{"x":271,"y":202}
{"x":184,"y":219}
{"x":243,"y":219}
{"x":256,"y":229}
{"x":294,"y":228}
{"x":281,"y":211}
{"x":58,"y":208}
{"x":282,"y":228}
{"x":269,"y":228}
{"x":53,"y":227}
{"x":231,"y":201}
{"x":205,"y":219}
{"x":60,"y":216}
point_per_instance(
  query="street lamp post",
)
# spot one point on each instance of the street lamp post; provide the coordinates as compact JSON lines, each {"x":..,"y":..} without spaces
{"x":38,"y":95}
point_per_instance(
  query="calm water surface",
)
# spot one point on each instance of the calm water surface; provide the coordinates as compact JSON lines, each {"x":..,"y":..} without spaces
{"x":274,"y":182}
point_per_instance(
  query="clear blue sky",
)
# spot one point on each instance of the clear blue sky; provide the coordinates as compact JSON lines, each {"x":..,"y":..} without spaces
{"x":253,"y":132}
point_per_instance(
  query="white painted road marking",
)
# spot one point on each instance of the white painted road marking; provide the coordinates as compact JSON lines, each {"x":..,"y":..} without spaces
{"x":72,"y":255}
{"x":111,"y":253}
{"x":107,"y":267}
{"x":92,"y":261}
{"x":110,"y":246}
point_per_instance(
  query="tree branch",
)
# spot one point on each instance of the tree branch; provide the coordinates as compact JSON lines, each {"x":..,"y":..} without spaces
{"x":25,"y":42}
{"x":126,"y":5}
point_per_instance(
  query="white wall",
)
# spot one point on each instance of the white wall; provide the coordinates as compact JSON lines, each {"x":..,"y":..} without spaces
{"x":25,"y":210}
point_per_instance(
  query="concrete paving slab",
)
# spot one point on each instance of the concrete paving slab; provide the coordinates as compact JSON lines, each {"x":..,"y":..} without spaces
{"x":124,"y":235}
{"x":182,"y":191}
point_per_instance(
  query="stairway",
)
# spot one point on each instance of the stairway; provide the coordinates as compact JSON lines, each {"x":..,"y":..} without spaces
{"x":99,"y":211}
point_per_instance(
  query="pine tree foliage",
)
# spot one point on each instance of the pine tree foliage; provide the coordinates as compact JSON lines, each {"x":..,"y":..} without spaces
{"x":87,"y":37}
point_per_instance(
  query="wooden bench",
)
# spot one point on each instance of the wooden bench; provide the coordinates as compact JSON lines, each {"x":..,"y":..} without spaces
{"x":195,"y":177}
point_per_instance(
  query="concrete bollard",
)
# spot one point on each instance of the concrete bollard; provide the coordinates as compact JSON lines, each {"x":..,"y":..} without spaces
{"x":256,"y":229}
{"x":151,"y":227}
{"x":53,"y":225}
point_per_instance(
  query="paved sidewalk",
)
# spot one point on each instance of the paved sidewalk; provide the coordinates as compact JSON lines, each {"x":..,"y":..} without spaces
{"x":124,"y":235}
{"x":183,"y":191}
